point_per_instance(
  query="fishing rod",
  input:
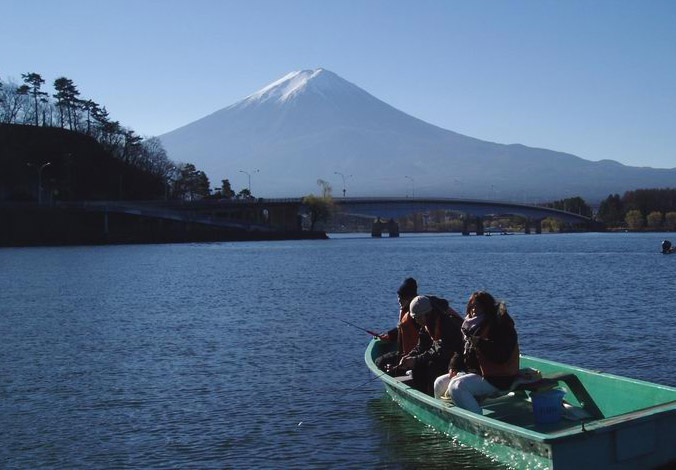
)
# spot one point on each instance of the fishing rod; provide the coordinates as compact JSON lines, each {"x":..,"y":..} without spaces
{"x":365,"y":383}
{"x":360,"y":328}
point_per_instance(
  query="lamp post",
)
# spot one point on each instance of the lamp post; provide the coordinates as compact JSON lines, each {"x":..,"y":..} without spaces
{"x":412,"y":185}
{"x":344,"y":177}
{"x":40,"y":168}
{"x":249,"y":175}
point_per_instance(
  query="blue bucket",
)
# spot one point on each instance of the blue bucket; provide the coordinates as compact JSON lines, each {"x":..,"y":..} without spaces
{"x":548,"y":406}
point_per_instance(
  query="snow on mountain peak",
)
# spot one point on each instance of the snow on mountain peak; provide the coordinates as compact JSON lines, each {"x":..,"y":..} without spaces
{"x":318,"y":80}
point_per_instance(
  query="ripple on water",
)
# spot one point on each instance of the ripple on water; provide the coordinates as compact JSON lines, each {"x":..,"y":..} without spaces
{"x":232,"y":355}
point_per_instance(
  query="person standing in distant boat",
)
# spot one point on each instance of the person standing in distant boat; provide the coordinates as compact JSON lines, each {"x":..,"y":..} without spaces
{"x":489,"y":361}
{"x":406,"y":331}
{"x":666,"y":247}
{"x":439,"y":337}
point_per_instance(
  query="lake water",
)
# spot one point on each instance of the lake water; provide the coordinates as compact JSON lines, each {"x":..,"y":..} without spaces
{"x":232,"y":355}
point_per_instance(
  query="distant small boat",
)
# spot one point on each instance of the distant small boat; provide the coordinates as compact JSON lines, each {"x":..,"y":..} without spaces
{"x":614,"y":422}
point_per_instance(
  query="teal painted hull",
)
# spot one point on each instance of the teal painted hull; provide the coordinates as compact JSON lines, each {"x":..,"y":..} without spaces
{"x":638,"y":429}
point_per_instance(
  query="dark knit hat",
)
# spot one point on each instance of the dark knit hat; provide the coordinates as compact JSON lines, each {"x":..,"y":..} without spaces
{"x":408,"y":288}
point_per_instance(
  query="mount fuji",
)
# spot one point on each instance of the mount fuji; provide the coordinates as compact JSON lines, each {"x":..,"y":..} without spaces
{"x":313,"y":124}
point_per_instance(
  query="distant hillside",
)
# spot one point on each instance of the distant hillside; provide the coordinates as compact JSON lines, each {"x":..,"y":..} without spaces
{"x":313,"y":124}
{"x":80,"y":168}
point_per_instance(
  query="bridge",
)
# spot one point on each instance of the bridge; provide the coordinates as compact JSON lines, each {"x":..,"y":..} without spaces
{"x":263,"y":215}
{"x":473,"y":210}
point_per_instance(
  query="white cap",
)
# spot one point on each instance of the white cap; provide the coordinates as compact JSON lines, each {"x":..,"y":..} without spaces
{"x":420,"y":306}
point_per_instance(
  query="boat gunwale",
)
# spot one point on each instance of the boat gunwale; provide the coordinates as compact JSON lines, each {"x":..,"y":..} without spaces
{"x":584,"y":426}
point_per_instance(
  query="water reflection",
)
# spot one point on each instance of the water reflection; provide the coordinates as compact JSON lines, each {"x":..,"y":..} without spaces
{"x":404,"y":442}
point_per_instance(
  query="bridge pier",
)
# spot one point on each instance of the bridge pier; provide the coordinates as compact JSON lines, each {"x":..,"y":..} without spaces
{"x":479,"y":226}
{"x":392,"y":228}
{"x":533,"y":224}
{"x":465,"y":225}
{"x":468,"y":220}
{"x":377,"y":228}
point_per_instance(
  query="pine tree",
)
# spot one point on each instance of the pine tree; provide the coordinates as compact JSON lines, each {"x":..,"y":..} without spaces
{"x":34,"y":81}
{"x":67,"y":97}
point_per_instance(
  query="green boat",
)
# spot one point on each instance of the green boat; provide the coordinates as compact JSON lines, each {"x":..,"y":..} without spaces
{"x":610,"y":422}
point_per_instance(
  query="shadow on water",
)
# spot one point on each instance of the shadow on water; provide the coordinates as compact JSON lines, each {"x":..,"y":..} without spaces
{"x":404,"y":442}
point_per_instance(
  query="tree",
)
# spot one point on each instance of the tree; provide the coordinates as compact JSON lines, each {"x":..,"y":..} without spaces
{"x":634,"y":219}
{"x":67,"y":98}
{"x":326,"y":188}
{"x":611,"y":210}
{"x":132,"y":149}
{"x":551,"y":225}
{"x":575,"y":204}
{"x":90,"y":107}
{"x":12,"y":102}
{"x":226,"y":189}
{"x":191,"y":183}
{"x":320,"y":207}
{"x":155,"y":159}
{"x":670,"y":219}
{"x":34,"y":81}
{"x":654,"y":219}
{"x":244,"y":194}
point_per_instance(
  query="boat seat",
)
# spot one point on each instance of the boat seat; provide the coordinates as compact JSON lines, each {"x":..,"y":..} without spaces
{"x":574,"y":385}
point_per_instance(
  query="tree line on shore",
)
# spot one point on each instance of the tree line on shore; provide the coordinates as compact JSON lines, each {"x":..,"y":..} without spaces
{"x":637,"y":209}
{"x":640,"y":208}
{"x":29,"y":104}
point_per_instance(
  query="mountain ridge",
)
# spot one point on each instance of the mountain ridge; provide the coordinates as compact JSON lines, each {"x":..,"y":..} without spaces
{"x":314,"y":124}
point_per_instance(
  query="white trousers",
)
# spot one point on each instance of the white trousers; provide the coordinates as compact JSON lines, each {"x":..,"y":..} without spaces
{"x":463,"y":389}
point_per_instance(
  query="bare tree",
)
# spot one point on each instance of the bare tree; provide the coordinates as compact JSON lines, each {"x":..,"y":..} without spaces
{"x":12,"y":103}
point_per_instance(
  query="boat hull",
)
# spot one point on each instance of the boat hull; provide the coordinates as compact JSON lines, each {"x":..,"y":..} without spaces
{"x":625,"y":441}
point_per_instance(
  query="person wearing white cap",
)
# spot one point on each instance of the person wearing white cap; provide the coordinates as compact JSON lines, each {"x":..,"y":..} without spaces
{"x":439,"y":338}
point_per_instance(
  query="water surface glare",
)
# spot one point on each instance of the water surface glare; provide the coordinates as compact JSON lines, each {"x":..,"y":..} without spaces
{"x":232,"y":355}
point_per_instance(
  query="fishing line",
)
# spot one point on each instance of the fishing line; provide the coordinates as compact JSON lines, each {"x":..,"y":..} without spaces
{"x":359,"y":327}
{"x":367,"y":382}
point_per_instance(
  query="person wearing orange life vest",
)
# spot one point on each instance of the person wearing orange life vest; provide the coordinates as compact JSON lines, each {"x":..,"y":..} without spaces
{"x":439,"y":337}
{"x":406,"y":331}
{"x":489,"y":361}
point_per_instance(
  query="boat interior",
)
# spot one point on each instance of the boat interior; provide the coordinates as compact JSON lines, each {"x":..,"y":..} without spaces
{"x":516,"y":407}
{"x":588,"y":396}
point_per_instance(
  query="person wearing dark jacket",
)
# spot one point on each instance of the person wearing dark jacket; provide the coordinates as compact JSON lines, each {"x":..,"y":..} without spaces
{"x":406,"y":331}
{"x":439,"y":337}
{"x":489,"y":361}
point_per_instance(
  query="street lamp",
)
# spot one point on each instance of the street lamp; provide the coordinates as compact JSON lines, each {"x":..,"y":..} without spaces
{"x":342,"y":176}
{"x":40,"y":168}
{"x":412,"y":185}
{"x":249,"y":175}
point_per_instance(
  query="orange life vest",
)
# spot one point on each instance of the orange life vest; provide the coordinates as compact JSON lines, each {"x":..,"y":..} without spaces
{"x":408,"y":333}
{"x":493,"y":369}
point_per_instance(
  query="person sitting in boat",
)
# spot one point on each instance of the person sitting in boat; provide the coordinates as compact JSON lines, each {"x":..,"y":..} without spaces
{"x":439,"y":337}
{"x":666,"y":247}
{"x":406,"y":331}
{"x":489,"y":362}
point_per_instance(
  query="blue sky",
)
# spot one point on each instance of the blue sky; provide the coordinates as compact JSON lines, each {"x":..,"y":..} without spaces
{"x":592,"y":78}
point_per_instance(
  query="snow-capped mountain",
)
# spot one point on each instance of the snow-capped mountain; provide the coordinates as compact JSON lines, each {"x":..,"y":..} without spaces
{"x":313,"y":124}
